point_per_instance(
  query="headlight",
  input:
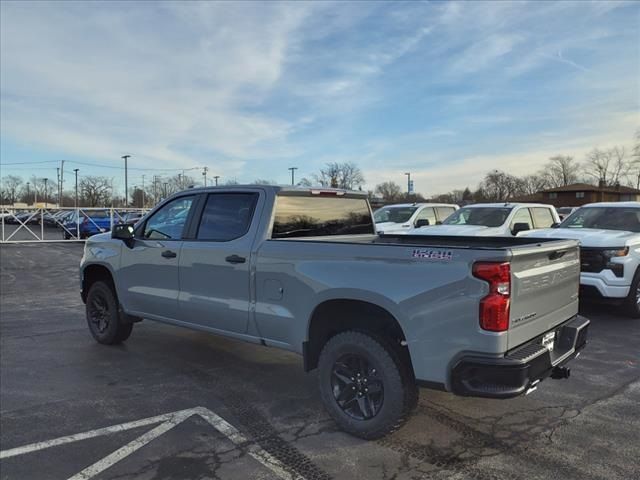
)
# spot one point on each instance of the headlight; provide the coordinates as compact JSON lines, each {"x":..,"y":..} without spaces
{"x":616,"y":268}
{"x":621,"y":252}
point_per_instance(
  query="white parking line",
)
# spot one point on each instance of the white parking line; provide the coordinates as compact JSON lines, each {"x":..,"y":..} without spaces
{"x":101,"y":465}
{"x":34,"y":447}
{"x":169,"y":420}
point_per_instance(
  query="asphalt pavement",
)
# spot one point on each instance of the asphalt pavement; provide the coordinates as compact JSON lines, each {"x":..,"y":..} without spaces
{"x":173,"y":404}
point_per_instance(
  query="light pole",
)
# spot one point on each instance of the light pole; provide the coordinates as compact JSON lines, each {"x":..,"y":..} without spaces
{"x":45,"y":192}
{"x":61,"y":182}
{"x":28,"y":193}
{"x":204,"y":174}
{"x":142,"y":190}
{"x":126,"y":182}
{"x":408,"y":174}
{"x":165,"y":189}
{"x":155,"y":189}
{"x":293,"y":171}
{"x":76,"y":171}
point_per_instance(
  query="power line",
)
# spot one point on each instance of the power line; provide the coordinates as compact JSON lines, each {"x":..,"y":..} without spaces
{"x":97,"y":165}
{"x":30,"y":163}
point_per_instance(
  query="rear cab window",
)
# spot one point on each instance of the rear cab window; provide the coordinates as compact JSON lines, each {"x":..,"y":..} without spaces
{"x":314,"y":215}
{"x":227,"y":216}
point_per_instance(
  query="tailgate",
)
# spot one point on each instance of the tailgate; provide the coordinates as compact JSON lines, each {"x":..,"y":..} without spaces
{"x":544,"y":288}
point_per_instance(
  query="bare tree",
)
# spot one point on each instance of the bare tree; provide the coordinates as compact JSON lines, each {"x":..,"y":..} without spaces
{"x":11,"y":186}
{"x":95,"y":191}
{"x":560,"y":171}
{"x":389,"y":191}
{"x":262,"y":181}
{"x":607,"y":167}
{"x":635,"y":160}
{"x":137,"y":198}
{"x":532,"y":184}
{"x":345,"y":175}
{"x":499,"y":186}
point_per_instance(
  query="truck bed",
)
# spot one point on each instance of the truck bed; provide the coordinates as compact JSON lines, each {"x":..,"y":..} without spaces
{"x":445,"y":241}
{"x":460,"y":242}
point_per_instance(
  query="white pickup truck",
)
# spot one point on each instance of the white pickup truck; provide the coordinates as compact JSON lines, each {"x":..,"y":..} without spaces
{"x":404,"y":216}
{"x":493,"y":220}
{"x":609,"y":235}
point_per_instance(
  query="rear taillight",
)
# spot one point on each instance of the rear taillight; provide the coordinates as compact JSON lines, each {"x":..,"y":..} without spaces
{"x":494,"y":308}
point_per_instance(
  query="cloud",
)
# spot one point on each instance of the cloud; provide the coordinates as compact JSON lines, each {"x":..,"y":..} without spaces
{"x":485,"y":52}
{"x":129,"y":87}
{"x":435,"y":173}
{"x":254,"y":87}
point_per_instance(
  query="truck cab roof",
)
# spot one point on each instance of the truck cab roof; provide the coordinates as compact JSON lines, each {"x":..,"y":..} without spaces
{"x":507,"y":205}
{"x":613,"y":204}
{"x":278,"y":189}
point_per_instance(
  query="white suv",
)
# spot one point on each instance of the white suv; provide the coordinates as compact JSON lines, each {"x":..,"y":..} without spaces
{"x":494,"y":220}
{"x":403,"y":216}
{"x":609,"y":235}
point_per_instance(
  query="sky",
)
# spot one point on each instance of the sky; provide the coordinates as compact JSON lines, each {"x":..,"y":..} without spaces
{"x":444,"y":90}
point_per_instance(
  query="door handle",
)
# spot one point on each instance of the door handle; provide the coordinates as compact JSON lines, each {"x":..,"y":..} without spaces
{"x":169,"y":254}
{"x":235,"y":259}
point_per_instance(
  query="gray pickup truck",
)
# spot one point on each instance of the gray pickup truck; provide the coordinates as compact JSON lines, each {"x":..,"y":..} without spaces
{"x":378,"y":316}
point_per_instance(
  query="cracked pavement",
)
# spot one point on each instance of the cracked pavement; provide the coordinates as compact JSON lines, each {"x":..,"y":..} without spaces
{"x":55,"y":381}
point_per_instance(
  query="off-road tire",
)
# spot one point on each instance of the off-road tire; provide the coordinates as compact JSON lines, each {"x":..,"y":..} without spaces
{"x":103,"y":316}
{"x":400,"y":393}
{"x":631,"y":305}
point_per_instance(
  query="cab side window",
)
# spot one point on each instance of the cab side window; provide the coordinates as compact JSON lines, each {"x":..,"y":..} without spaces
{"x":168,"y":222}
{"x":522,"y":216}
{"x":227,"y":216}
{"x":542,"y":217}
{"x":444,"y":212}
{"x":426,"y":213}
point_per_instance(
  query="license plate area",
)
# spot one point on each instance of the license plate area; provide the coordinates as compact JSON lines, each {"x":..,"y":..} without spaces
{"x":549,"y":340}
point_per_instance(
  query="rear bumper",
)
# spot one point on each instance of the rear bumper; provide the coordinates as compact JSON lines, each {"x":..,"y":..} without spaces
{"x":522,"y":368}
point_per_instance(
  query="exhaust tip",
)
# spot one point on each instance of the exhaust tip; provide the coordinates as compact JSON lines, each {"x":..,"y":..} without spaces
{"x":560,"y":372}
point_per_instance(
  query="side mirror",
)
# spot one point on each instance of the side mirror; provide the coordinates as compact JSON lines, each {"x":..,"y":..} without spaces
{"x":123,"y":232}
{"x":423,"y":222}
{"x":520,"y":227}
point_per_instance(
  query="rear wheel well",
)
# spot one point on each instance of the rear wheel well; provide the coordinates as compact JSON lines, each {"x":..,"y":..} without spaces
{"x":335,"y":316}
{"x":93,"y":274}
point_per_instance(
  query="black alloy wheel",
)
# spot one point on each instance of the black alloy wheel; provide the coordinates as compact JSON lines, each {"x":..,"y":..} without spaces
{"x":98,"y":312}
{"x":356,"y":387}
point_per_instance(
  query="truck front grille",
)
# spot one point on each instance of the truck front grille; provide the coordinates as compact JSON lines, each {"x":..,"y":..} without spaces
{"x":592,"y":260}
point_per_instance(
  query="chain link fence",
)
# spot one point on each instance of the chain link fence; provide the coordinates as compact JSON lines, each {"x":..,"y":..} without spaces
{"x":42,"y":225}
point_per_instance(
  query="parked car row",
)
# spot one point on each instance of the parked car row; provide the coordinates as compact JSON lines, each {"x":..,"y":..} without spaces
{"x":80,"y":223}
{"x":609,"y":236}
